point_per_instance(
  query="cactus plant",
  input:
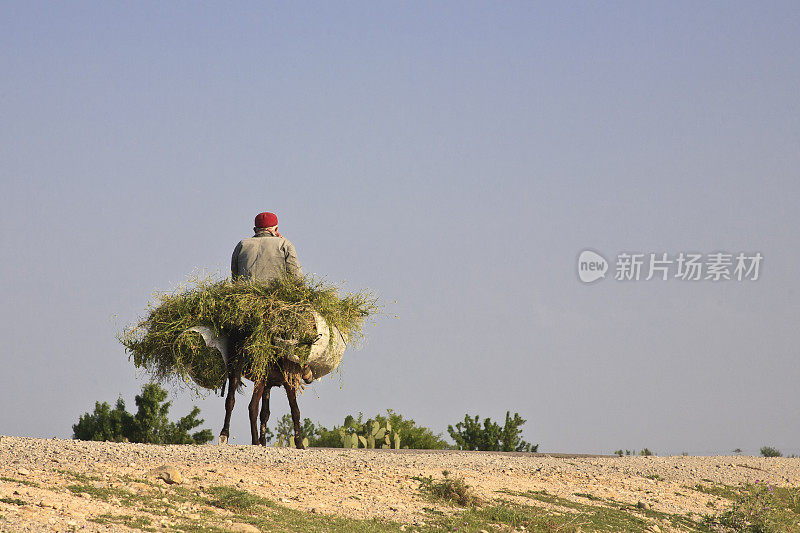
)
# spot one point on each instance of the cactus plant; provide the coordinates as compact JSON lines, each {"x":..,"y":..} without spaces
{"x":374,"y":436}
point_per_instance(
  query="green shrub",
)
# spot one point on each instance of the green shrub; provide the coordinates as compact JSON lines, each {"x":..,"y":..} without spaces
{"x":150,"y":423}
{"x":769,"y":451}
{"x":470,"y":435}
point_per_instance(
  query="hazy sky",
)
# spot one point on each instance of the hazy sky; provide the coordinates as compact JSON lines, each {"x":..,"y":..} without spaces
{"x":453,"y":156}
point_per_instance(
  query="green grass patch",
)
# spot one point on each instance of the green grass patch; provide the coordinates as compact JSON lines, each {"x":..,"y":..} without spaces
{"x":505,"y":516}
{"x":585,"y":518}
{"x":721,"y":491}
{"x":81,"y":478}
{"x":150,"y":501}
{"x":588,"y":496}
{"x":237,"y":501}
{"x":136,"y":522}
{"x":543,"y":496}
{"x":20,"y":481}
{"x":102,"y":493}
{"x":13,"y":501}
{"x":611,"y":515}
{"x":597,"y":515}
{"x":200,"y":527}
{"x":266,"y":515}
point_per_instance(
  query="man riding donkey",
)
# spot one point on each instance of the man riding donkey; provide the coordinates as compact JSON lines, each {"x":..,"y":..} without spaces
{"x":265,"y":256}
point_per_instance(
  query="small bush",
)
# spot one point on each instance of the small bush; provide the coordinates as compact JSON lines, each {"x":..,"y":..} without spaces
{"x":449,"y":489}
{"x":769,"y":451}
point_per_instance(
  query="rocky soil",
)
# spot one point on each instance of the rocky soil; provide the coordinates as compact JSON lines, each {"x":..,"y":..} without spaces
{"x":35,"y":476}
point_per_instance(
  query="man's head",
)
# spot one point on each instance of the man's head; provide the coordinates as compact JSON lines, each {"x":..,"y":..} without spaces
{"x":266,"y":220}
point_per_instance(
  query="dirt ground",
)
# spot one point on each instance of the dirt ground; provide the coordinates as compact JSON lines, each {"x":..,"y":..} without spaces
{"x":35,"y":476}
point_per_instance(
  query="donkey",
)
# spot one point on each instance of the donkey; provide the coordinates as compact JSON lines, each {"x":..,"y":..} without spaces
{"x":286,"y":374}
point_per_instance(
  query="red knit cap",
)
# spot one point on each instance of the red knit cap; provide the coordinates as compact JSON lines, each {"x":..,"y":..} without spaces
{"x":266,"y":220}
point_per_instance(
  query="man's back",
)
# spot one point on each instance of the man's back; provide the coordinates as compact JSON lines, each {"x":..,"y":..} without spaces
{"x":264,"y":257}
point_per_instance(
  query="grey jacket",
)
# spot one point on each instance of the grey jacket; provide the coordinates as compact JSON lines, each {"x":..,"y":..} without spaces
{"x":264,"y":257}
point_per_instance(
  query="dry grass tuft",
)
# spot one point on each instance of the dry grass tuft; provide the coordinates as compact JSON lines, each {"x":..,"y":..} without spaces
{"x":449,"y":489}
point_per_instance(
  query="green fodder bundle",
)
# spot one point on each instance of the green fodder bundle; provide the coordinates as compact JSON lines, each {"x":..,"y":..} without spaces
{"x":265,"y":318}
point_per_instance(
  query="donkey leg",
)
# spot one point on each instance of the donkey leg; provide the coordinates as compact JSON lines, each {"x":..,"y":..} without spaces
{"x":298,"y":437}
{"x":258,"y":388}
{"x":262,"y":439}
{"x":230,"y":401}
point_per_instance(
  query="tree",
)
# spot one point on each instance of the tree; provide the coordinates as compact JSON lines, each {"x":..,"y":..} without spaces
{"x":179,"y":433}
{"x":471,"y":435}
{"x":511,"y":435}
{"x":151,"y":419}
{"x":150,"y":423}
{"x":105,"y":423}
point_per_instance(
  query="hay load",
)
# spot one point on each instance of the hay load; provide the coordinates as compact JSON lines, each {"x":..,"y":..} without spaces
{"x":188,"y":334}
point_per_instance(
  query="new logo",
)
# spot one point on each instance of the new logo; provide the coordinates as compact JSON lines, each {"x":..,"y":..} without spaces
{"x":591,"y":266}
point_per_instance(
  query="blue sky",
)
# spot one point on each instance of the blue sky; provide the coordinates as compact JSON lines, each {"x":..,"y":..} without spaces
{"x":454,"y":157}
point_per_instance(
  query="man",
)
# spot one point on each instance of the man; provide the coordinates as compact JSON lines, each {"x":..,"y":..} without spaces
{"x":266,"y":255}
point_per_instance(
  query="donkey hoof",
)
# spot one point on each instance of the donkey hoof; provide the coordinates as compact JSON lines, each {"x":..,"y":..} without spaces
{"x":223,"y":439}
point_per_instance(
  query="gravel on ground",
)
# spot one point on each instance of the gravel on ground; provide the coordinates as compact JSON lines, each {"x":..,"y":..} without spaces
{"x":35,"y":474}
